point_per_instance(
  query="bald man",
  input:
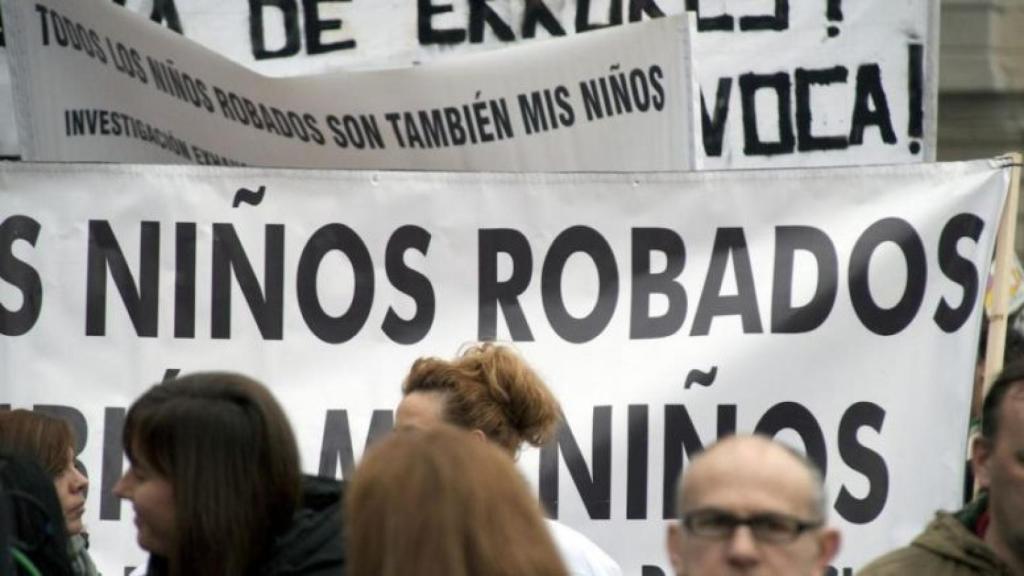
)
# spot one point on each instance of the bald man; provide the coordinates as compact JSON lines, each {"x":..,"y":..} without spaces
{"x":749,"y":505}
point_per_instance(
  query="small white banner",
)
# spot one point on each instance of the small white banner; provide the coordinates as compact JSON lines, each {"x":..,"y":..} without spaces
{"x":836,"y":309}
{"x":94,"y":82}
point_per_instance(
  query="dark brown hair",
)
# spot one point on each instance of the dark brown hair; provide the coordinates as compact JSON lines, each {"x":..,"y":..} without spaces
{"x":1012,"y":375}
{"x":227,"y":449}
{"x":46,"y":439}
{"x":442,"y":502}
{"x":36,"y":520}
{"x":492,"y":389}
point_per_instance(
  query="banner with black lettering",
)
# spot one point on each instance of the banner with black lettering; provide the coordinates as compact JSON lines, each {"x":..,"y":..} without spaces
{"x":94,"y":82}
{"x":836,"y":309}
{"x":818,"y":83}
{"x":782,"y":83}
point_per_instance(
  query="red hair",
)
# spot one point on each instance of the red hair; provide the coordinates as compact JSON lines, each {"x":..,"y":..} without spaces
{"x":490,"y":388}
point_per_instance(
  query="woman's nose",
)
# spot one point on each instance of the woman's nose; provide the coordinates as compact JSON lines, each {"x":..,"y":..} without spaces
{"x":122,"y":489}
{"x":81,"y":482}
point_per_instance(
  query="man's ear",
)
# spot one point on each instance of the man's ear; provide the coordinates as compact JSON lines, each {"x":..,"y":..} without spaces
{"x":674,"y":544}
{"x":828,"y":543}
{"x":478,"y":434}
{"x":981,"y":454}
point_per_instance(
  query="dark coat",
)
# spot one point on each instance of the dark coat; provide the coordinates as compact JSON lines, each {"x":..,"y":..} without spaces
{"x":311,"y":546}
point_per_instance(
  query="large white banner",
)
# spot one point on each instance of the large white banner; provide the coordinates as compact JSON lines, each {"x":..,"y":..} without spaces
{"x":784,"y":83}
{"x":94,"y":82}
{"x":836,"y":309}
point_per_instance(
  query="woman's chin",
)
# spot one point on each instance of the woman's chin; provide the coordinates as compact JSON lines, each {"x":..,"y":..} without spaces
{"x":73,"y":520}
{"x":75,"y":527}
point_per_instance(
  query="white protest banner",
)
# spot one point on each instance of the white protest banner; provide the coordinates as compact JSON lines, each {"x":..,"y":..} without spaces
{"x":784,"y":83}
{"x":94,"y":82}
{"x":836,"y":309}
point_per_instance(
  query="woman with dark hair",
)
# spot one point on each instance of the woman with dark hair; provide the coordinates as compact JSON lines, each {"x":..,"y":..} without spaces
{"x":49,"y":442}
{"x":492,"y":392}
{"x":37,"y":540}
{"x":216,"y":485}
{"x":413,"y":509}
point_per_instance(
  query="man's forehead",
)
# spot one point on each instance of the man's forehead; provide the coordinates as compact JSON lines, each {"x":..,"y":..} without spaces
{"x":1016,"y":392}
{"x":1013,"y":406}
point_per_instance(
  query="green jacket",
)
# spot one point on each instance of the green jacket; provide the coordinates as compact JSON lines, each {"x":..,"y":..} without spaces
{"x":947,"y":547}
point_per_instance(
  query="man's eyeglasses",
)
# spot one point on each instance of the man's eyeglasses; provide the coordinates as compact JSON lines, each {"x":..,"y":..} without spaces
{"x":768,"y":528}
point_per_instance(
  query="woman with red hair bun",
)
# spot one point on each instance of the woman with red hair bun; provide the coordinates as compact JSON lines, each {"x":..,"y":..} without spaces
{"x":493,"y":393}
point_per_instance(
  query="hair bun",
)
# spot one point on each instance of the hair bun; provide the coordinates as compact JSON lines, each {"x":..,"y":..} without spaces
{"x":490,"y":388}
{"x":530,"y":408}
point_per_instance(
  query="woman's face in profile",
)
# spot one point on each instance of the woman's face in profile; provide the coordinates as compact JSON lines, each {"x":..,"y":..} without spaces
{"x":152,"y":498}
{"x":71,"y":485}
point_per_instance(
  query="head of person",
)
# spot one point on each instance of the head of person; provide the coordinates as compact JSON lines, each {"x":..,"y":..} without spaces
{"x":1013,"y":351}
{"x":214,"y":472}
{"x":749,"y":505}
{"x":488,"y":389}
{"x":439,"y":501}
{"x":36,"y":533}
{"x":998,"y":460}
{"x":50,"y":443}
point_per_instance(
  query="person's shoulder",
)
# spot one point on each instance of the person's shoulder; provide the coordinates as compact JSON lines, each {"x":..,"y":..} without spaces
{"x":581,"y":555}
{"x":945,"y":546}
{"x":319,"y":492}
{"x":906,"y":560}
{"x":312,"y":544}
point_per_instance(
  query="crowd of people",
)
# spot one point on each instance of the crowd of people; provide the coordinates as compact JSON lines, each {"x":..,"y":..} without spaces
{"x":216,"y":488}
